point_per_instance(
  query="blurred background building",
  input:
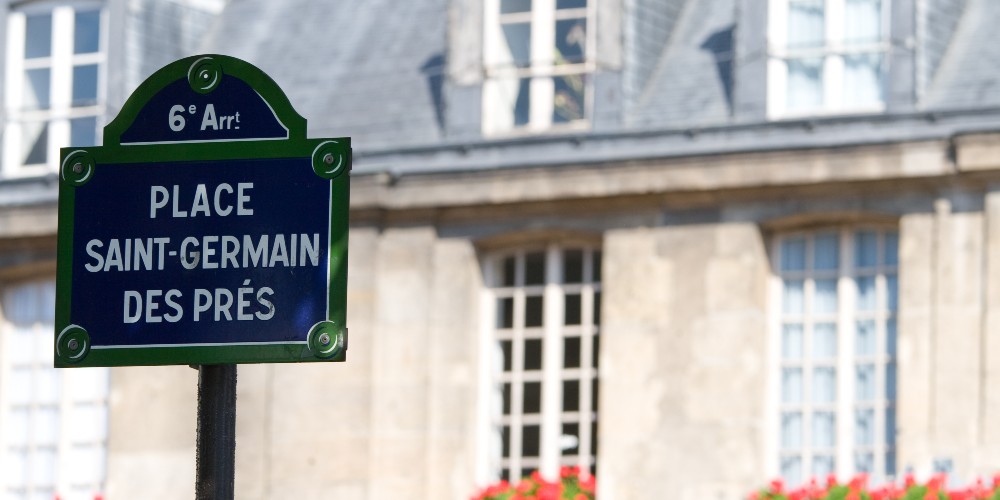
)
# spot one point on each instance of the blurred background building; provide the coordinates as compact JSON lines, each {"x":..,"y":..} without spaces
{"x":686,"y":245}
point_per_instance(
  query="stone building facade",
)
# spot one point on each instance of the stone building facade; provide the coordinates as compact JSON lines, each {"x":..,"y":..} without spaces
{"x":682,"y":244}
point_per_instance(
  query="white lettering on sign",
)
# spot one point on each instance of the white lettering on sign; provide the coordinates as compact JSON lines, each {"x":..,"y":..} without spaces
{"x":221,"y":202}
{"x":210,"y":120}
{"x":201,"y":252}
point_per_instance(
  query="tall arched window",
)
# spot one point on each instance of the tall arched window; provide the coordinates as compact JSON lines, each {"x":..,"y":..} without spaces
{"x":543,"y":309}
{"x":835,"y":327}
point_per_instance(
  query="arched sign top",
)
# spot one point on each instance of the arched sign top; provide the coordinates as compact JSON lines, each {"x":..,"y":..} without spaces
{"x":206,"y":98}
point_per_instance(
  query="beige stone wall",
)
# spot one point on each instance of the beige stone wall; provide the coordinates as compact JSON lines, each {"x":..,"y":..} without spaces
{"x":683,"y":361}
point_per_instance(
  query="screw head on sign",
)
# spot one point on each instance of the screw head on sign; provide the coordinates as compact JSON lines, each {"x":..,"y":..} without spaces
{"x":73,"y":344}
{"x":324,"y":339}
{"x":77,"y":167}
{"x":328,"y":159}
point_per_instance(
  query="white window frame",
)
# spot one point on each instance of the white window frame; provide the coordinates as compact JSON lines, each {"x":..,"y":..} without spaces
{"x":833,"y":61}
{"x":846,"y":359}
{"x":553,"y":373}
{"x":82,"y":392}
{"x":497,"y":72}
{"x":61,"y":63}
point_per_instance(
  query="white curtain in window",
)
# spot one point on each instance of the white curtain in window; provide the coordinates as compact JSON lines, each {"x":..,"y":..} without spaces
{"x":863,"y":79}
{"x":824,"y":426}
{"x":862,"y":21}
{"x":806,"y":24}
{"x":805,"y":84}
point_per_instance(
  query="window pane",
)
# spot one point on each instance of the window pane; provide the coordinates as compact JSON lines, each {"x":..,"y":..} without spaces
{"x":825,"y":341}
{"x":506,"y":395}
{"x":866,"y":293}
{"x":533,"y":354}
{"x":572,"y":309}
{"x":532,"y":397}
{"x":791,"y":341}
{"x":826,"y":297}
{"x":863,"y":79}
{"x":83,"y":131}
{"x":507,"y":351}
{"x":35,"y":141}
{"x":864,"y":462}
{"x":38,"y":35}
{"x":45,"y":426}
{"x":824,"y":384}
{"x":36,"y":88}
{"x":806,"y":24}
{"x":890,"y":381}
{"x":508,"y":271}
{"x":791,"y":430}
{"x":85,"y":85}
{"x":824,"y":429}
{"x":505,"y":312}
{"x":805,"y":83}
{"x":517,"y":41}
{"x":571,"y":41}
{"x":793,"y":300}
{"x":573,"y":266}
{"x":87,"y":31}
{"x":793,"y":254}
{"x":891,"y":257}
{"x":43,"y":468}
{"x":568,"y":101}
{"x":571,"y":352}
{"x":530,"y":439}
{"x":791,"y":385}
{"x":569,"y":441}
{"x":862,"y":21}
{"x":864,"y":382}
{"x":823,"y":465}
{"x":571,"y":395}
{"x":597,"y":308}
{"x":596,"y":351}
{"x":890,"y":426}
{"x":18,"y":386}
{"x":510,"y":6}
{"x":594,"y":394}
{"x":791,"y":469}
{"x":866,"y":249}
{"x":505,"y":441}
{"x":18,"y":425}
{"x":865,"y":343}
{"x":597,"y":266}
{"x":533,"y":308}
{"x":892,"y":290}
{"x":534,"y":268}
{"x":826,"y":252}
{"x":47,"y":384}
{"x":864,"y":427}
{"x":890,"y":336}
{"x":570,"y":4}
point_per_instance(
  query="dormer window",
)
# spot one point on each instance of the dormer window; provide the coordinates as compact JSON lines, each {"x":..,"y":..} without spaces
{"x":54,"y":96}
{"x":827,"y":56}
{"x":538,"y":57}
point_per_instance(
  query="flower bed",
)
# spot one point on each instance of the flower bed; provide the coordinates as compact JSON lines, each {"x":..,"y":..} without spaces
{"x":572,"y":485}
{"x":857,"y":489}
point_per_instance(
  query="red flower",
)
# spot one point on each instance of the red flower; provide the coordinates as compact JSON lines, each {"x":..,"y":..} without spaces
{"x":777,"y":486}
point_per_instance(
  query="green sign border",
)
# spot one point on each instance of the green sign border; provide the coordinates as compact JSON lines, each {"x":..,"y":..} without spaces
{"x":331,"y":159}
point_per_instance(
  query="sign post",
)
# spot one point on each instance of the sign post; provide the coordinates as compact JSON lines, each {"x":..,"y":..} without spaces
{"x":206,"y":230}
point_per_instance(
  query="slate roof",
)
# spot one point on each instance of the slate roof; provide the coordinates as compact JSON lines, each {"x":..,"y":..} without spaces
{"x":374,"y":69}
{"x":351,"y":68}
{"x":969,"y":74}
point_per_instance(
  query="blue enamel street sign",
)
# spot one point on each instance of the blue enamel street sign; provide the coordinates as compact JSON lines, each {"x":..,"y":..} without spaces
{"x":207,"y":229}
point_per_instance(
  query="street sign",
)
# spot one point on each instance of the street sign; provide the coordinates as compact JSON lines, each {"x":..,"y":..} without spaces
{"x":206,"y":230}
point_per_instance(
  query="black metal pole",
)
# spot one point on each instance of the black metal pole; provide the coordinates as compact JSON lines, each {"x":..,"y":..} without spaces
{"x":215,"y":456}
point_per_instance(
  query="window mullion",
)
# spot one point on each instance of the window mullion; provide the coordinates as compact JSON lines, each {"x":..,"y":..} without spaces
{"x":552,"y":364}
{"x":845,"y":337}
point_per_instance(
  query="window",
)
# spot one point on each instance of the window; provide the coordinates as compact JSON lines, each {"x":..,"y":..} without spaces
{"x":538,"y":54}
{"x":53,"y":423}
{"x":55,"y":65}
{"x":544,"y":308}
{"x":827,"y":56}
{"x":836,"y":367}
